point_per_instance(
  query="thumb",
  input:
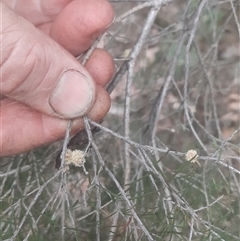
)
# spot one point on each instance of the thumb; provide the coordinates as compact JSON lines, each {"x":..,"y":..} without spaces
{"x":37,"y":71}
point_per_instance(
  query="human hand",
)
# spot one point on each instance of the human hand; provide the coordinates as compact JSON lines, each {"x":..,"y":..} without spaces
{"x":42,"y":84}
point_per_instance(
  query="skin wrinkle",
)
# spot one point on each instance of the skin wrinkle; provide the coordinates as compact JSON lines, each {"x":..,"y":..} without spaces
{"x":7,"y":53}
{"x":16,"y":83}
{"x":38,"y":85}
{"x":9,"y":88}
{"x":4,"y":38}
{"x":6,"y":30}
{"x":37,"y":64}
{"x":20,"y":33}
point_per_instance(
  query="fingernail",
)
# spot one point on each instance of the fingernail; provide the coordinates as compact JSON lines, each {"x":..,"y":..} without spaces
{"x":73,"y":95}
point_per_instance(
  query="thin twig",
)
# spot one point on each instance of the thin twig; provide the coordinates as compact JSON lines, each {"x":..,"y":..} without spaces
{"x":111,"y":175}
